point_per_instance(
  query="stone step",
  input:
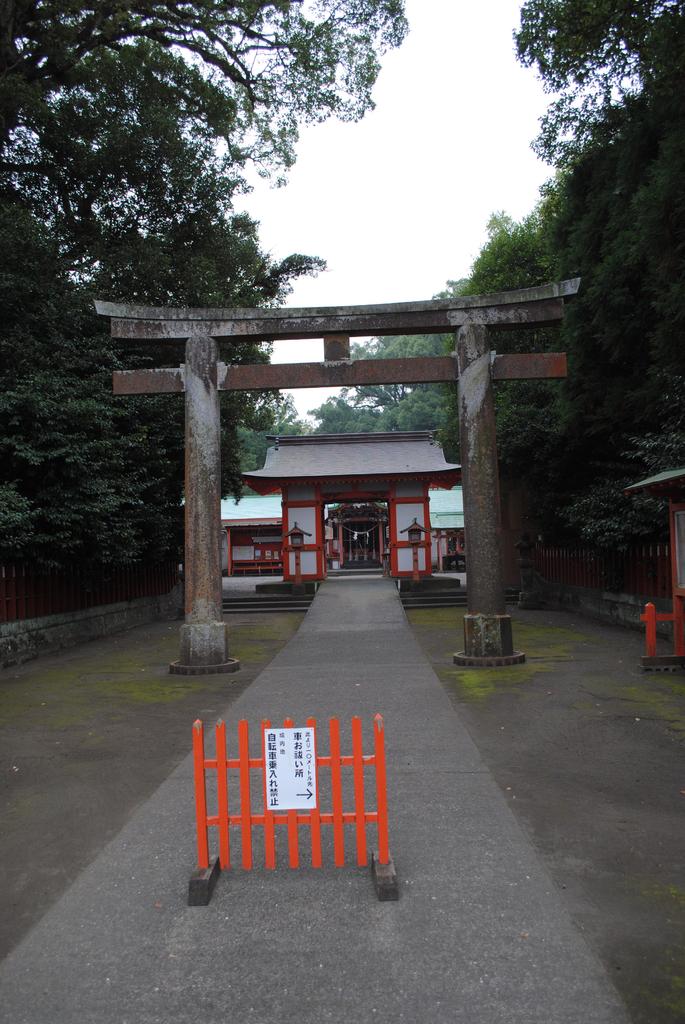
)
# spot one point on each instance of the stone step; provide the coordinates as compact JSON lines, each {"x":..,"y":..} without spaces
{"x":447,"y":599}
{"x":354,"y":572}
{"x":235,"y":607}
{"x":267,"y":603}
{"x":285,"y":598}
{"x":435,"y":601}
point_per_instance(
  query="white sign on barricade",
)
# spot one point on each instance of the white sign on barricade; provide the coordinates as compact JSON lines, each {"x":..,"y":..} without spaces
{"x":290,"y":769}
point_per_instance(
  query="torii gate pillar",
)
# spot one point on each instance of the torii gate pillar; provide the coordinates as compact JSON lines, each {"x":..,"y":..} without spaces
{"x":487,"y":627}
{"x":204,"y":636}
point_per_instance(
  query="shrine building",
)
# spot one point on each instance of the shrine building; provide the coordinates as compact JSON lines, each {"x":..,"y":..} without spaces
{"x":355,"y":498}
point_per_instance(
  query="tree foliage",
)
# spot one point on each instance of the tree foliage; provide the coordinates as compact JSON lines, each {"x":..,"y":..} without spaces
{"x":530,"y":438}
{"x":595,"y":57}
{"x":112,"y":184}
{"x":89,"y":478}
{"x":386,"y":407}
{"x":249,"y":69}
{"x":254,"y":443}
{"x":615,"y":216}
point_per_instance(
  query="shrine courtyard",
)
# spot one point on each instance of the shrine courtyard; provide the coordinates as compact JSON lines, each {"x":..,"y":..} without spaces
{"x":535,"y":822}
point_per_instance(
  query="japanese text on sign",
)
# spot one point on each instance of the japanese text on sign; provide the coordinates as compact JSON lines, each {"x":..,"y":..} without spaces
{"x":290,"y":769}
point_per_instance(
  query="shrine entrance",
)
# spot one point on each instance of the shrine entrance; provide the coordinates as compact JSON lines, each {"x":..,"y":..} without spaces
{"x":358,"y":536}
{"x":375,"y":487}
{"x":473,"y":366}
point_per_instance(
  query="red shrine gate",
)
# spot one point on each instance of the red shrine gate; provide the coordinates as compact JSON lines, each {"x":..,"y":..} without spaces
{"x":321,"y":469}
{"x":474,"y":365}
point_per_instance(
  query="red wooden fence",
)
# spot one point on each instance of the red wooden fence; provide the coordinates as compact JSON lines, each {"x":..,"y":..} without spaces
{"x":27,"y":593}
{"x":643,"y":569}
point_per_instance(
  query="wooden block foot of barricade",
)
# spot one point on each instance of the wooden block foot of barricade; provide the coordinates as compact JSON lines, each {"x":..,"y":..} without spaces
{"x":201,"y":885}
{"x":384,"y":878}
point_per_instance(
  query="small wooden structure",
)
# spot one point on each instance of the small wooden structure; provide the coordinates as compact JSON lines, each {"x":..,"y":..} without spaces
{"x":668,"y":484}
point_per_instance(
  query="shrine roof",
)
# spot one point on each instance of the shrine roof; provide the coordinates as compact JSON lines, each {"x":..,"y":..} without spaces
{"x":670,"y":482}
{"x":350,"y":456}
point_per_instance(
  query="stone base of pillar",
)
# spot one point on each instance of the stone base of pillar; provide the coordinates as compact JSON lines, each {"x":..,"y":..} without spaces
{"x":488,"y":642}
{"x":204,"y":650}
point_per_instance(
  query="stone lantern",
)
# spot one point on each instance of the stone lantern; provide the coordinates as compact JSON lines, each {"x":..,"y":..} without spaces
{"x":414,"y":534}
{"x":295,"y":542}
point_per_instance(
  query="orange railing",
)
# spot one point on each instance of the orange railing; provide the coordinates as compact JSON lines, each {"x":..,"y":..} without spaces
{"x":249,"y":817}
{"x":650,"y":617}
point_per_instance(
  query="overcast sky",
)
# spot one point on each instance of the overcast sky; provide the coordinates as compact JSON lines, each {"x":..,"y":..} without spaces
{"x":398,"y":203}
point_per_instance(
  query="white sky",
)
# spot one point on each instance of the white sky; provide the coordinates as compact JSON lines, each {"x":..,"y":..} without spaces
{"x":398,"y":203}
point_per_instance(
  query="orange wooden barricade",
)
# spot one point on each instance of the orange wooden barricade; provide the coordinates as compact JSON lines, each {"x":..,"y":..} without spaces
{"x":248,"y":818}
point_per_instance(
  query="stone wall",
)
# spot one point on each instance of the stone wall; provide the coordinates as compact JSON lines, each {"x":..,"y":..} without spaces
{"x":604,"y":605}
{"x":27,"y":638}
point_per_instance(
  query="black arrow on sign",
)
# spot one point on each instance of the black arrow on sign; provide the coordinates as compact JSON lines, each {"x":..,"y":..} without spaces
{"x":308,"y":794}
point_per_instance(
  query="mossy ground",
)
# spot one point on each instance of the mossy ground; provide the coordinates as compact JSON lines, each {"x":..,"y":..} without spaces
{"x":56,"y":693}
{"x":88,"y":734}
{"x":588,"y":751}
{"x":544,"y":647}
{"x":649,"y":697}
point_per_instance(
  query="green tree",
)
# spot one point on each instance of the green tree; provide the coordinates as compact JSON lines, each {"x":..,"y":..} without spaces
{"x":254,"y":443}
{"x":531,"y":443}
{"x":125,"y":135}
{"x":595,"y":57}
{"x":386,"y":407}
{"x":134,"y":192}
{"x":125,"y":132}
{"x":573,"y":444}
{"x":617,"y":127}
{"x":622,"y":226}
{"x":251,"y":70}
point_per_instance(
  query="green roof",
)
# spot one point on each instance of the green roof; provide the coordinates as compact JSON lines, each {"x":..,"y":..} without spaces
{"x":446,"y":508}
{"x":660,"y":480}
{"x":252,"y":506}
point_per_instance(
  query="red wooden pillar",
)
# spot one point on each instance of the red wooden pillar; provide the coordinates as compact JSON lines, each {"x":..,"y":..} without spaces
{"x":302,"y":503}
{"x":410,"y":503}
{"x":321,"y":532}
{"x":677,"y":532}
{"x":428,"y":536}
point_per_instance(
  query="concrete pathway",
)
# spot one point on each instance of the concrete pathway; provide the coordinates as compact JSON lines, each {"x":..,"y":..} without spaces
{"x":479,"y":933}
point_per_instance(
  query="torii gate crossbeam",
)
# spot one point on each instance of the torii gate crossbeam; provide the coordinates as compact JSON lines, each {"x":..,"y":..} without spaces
{"x":487,"y":628}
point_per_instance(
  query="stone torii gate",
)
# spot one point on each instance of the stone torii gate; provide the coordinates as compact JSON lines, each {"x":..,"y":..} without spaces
{"x":487,"y":629}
